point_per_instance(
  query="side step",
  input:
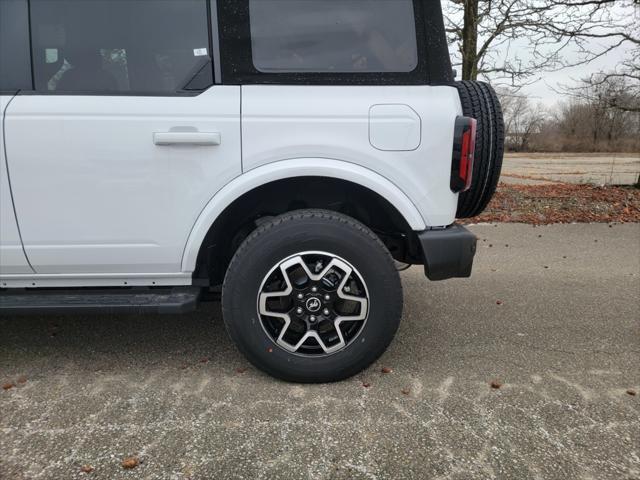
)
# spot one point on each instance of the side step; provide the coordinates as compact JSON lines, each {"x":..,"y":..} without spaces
{"x":64,"y":301}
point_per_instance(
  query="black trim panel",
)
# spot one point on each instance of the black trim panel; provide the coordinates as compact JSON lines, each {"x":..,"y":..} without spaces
{"x":438,"y":57}
{"x":448,"y":252}
{"x":90,"y":301}
{"x":214,"y":33}
{"x":238,"y":68}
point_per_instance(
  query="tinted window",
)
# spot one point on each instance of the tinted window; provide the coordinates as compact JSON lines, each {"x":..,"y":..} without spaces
{"x":111,"y":46}
{"x":15,"y":63}
{"x":333,"y":35}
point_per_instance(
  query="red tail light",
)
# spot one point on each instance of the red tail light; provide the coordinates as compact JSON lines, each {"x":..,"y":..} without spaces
{"x":464,"y":147}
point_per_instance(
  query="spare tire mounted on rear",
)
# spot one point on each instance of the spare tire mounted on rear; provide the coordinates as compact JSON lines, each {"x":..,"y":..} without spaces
{"x":479,"y":101}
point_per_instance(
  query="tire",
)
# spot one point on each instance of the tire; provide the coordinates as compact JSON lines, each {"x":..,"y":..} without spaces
{"x":479,"y":101}
{"x":328,"y":244}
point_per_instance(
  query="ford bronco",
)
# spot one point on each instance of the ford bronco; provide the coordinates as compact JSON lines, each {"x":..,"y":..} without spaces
{"x":287,"y":154}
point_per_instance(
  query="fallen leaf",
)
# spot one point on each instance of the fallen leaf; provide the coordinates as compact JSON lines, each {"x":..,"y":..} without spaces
{"x":7,"y":386}
{"x":496,"y":384}
{"x":366,"y":384}
{"x":131,"y":462}
{"x":386,"y":370}
{"x":562,"y":203}
{"x":87,"y":469}
{"x":498,"y":302}
{"x":405,"y":391}
{"x":632,"y":392}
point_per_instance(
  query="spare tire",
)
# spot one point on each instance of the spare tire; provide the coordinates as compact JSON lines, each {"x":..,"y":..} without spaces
{"x":479,"y":101}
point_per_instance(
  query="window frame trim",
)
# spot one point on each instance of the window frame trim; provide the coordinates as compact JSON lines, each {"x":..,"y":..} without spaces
{"x":238,"y":67}
{"x":210,"y":5}
{"x":16,"y":91}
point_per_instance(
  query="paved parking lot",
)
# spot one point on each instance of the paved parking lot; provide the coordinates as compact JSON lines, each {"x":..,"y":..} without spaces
{"x":551,"y":313}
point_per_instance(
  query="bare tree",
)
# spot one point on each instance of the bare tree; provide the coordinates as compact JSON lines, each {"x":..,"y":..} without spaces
{"x":588,"y":124}
{"x":612,"y":105}
{"x":619,"y":88}
{"x":523,"y":120}
{"x":535,"y":34}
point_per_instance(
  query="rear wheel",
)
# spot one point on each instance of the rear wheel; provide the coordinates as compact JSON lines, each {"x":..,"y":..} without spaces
{"x":312,"y":296}
{"x":479,"y":101}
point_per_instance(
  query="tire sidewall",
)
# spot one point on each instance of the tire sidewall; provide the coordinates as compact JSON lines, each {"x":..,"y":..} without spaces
{"x":280,"y":240}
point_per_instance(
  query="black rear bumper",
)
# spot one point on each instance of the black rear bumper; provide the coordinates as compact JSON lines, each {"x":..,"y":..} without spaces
{"x":448,"y":252}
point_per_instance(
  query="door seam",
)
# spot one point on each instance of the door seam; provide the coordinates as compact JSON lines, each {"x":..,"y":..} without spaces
{"x":6,"y":164}
{"x":241,"y":142}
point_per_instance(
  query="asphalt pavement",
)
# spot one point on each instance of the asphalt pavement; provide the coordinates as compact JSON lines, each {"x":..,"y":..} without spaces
{"x":551,"y":316}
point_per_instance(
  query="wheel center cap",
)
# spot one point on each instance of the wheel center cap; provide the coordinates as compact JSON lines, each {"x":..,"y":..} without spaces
{"x":313,"y":304}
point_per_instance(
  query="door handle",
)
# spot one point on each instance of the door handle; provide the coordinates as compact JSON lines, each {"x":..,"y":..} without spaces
{"x":187,"y":138}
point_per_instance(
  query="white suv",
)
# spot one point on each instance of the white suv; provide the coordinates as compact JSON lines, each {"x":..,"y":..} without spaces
{"x":286,"y":151}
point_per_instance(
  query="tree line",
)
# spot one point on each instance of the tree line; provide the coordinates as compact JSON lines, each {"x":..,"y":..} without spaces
{"x":514,"y":43}
{"x":599,"y":115}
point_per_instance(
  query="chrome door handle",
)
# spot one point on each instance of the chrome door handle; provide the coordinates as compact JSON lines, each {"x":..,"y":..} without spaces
{"x":187,"y":138}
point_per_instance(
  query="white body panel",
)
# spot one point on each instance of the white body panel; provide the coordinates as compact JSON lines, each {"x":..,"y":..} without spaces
{"x":96,"y":195}
{"x":283,"y":122}
{"x":394,"y":128}
{"x":122,"y":190}
{"x":299,"y":167}
{"x":12,"y":259}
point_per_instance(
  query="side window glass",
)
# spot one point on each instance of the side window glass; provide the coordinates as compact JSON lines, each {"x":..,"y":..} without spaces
{"x":15,"y":60}
{"x":333,"y":36}
{"x":111,"y":47}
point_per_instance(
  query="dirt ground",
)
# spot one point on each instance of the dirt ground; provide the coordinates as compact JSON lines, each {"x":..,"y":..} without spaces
{"x":596,"y":168}
{"x":543,"y":204}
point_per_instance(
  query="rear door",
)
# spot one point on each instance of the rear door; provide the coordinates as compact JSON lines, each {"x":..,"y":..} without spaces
{"x":15,"y":75}
{"x":125,"y":138}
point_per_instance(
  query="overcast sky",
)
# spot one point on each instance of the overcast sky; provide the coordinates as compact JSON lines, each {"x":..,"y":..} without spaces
{"x":543,"y":89}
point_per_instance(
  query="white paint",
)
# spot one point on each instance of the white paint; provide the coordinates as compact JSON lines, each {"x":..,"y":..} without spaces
{"x":394,"y":128}
{"x":199,"y":139}
{"x":95,"y":195}
{"x":12,"y":259}
{"x":121,"y":189}
{"x":281,"y":122}
{"x":299,"y":167}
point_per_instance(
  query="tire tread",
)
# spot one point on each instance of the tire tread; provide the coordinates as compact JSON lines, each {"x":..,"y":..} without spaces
{"x":479,"y":101}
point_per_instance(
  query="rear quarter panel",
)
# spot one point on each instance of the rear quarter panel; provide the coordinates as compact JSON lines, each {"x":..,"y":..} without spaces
{"x":333,"y":122}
